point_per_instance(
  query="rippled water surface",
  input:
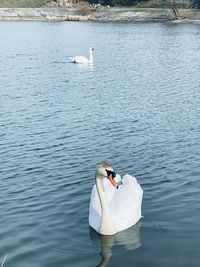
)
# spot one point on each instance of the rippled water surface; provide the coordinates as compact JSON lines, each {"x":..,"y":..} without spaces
{"x":138,"y":108}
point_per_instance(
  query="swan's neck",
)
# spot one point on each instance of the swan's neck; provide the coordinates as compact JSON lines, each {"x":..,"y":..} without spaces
{"x":90,"y":56}
{"x":106,"y":226}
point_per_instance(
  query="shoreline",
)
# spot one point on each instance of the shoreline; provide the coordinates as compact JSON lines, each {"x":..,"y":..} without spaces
{"x":103,"y":14}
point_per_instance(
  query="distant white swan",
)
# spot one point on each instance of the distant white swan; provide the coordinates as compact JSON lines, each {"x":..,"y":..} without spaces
{"x":83,"y":60}
{"x":114,"y":208}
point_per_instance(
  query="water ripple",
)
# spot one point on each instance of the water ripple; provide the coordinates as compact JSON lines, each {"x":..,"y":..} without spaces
{"x":136,"y":108}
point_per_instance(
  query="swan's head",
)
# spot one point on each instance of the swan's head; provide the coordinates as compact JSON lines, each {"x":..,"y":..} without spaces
{"x":106,"y":170}
{"x":91,"y":49}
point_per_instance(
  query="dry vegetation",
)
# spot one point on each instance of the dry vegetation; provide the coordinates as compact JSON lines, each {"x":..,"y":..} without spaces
{"x":84,"y":9}
{"x":23,"y":3}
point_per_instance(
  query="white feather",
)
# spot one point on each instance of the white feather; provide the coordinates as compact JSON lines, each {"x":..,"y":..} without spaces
{"x":83,"y":60}
{"x":124,"y":204}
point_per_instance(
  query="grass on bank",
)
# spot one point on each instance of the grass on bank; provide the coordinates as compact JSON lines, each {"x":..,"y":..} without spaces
{"x":23,"y":3}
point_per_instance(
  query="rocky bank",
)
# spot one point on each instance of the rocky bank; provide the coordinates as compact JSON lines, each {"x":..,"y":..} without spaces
{"x":104,"y":14}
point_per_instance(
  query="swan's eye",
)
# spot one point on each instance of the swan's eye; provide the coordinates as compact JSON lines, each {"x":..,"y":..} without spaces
{"x":111,"y":173}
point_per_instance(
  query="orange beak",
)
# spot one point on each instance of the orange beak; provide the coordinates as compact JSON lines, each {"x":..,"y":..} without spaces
{"x":113,"y":182}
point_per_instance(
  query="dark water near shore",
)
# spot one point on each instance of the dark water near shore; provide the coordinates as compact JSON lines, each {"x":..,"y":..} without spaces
{"x":138,"y":108}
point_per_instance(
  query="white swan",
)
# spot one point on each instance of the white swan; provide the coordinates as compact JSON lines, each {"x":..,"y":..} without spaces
{"x":83,"y":60}
{"x":114,"y":208}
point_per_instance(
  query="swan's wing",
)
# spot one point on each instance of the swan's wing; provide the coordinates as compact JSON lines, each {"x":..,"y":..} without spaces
{"x":79,"y":59}
{"x":126,"y":203}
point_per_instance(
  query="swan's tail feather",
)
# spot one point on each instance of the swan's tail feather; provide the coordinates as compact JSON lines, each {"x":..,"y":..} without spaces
{"x":72,"y":59}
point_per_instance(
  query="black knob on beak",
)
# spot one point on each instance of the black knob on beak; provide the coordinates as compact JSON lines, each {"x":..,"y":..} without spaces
{"x":111,"y":173}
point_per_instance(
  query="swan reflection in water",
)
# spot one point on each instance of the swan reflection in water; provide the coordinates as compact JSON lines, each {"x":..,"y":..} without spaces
{"x":129,"y":238}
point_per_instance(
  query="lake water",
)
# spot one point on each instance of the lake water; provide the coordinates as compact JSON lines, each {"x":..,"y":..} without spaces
{"x":138,"y":108}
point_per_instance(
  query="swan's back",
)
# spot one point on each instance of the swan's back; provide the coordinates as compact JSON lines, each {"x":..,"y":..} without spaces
{"x":79,"y":59}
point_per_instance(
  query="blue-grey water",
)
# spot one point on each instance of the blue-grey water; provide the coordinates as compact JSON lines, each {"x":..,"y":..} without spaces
{"x":138,"y":108}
